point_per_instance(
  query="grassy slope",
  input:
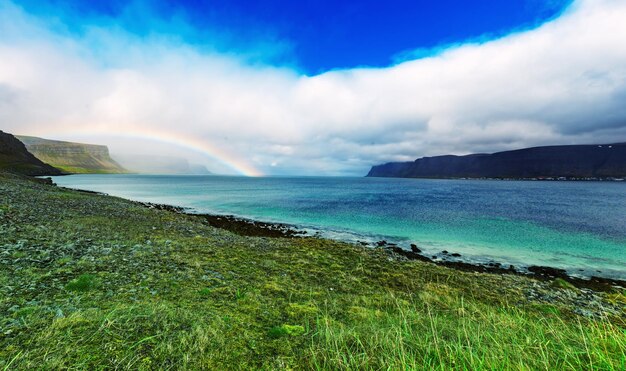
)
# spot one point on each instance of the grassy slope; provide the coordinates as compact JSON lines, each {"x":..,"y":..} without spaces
{"x":90,"y":170}
{"x":88,"y":280}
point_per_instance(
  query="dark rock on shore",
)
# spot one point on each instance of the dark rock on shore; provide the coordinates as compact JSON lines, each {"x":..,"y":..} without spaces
{"x":415,"y":249}
{"x":175,"y":209}
{"x":46,"y":181}
{"x":548,"y":272}
{"x":245,"y":227}
{"x":538,"y":272}
{"x":407,"y":254}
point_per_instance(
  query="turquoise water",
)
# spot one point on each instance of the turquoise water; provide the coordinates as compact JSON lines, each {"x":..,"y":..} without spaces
{"x":579,"y":226}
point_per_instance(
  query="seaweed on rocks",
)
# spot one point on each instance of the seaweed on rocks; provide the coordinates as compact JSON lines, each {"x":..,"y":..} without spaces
{"x":251,"y":228}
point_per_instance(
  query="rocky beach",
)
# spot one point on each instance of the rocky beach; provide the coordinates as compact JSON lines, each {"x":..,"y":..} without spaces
{"x":92,"y":280}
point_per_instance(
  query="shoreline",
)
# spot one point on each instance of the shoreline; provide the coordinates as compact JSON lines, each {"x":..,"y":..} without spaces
{"x":249,"y":227}
{"x":92,"y":280}
{"x":255,"y":228}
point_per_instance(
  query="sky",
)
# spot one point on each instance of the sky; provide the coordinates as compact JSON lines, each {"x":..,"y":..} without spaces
{"x":313,"y":87}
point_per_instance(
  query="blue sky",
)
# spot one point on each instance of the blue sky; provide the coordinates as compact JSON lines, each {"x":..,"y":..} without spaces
{"x":314,"y":87}
{"x":312,"y":36}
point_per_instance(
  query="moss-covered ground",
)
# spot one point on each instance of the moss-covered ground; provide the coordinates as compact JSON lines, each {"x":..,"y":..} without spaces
{"x":90,"y":282}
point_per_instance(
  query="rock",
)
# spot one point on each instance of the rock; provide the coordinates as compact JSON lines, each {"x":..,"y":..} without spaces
{"x":456,"y":255}
{"x":560,"y":283}
{"x":415,"y":249}
{"x":547,"y":272}
{"x":407,"y":254}
{"x":584,"y":312}
{"x":381,"y":243}
{"x":46,"y":181}
{"x":445,"y":252}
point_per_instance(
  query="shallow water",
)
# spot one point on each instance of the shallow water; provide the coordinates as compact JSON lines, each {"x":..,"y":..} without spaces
{"x":579,"y":226}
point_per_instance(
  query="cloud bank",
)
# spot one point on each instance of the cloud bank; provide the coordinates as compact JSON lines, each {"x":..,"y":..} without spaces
{"x":563,"y":82}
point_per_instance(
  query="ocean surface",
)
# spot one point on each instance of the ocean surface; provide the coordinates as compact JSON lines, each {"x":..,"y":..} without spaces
{"x":579,"y":226}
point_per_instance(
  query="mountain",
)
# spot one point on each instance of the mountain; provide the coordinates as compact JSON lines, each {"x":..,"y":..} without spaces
{"x":15,"y":158}
{"x":571,"y":161}
{"x":160,"y":165}
{"x":197,"y":169}
{"x":73,"y":157}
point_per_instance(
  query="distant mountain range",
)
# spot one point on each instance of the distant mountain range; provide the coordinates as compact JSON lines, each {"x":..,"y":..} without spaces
{"x":145,"y":164}
{"x":75,"y":158}
{"x":570,"y":161}
{"x":15,"y":158}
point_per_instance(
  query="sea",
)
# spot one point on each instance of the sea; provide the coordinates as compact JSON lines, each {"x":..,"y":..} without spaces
{"x":578,"y":226}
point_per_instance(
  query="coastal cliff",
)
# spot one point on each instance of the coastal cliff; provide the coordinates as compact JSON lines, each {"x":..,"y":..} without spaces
{"x":15,"y":158}
{"x":570,"y":161}
{"x":73,"y":157}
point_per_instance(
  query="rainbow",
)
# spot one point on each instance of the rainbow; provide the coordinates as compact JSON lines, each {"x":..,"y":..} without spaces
{"x":238,"y":165}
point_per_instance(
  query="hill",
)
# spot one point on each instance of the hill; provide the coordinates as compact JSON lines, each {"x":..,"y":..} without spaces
{"x":570,"y":161}
{"x":73,"y":157}
{"x":15,"y":158}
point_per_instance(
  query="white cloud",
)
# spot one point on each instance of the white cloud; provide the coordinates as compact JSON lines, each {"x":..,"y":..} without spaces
{"x":564,"y":82}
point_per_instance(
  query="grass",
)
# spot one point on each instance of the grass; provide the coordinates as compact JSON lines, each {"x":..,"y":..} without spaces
{"x":286,"y":330}
{"x":89,"y":281}
{"x":88,"y":170}
{"x":418,"y":335}
{"x":84,"y":282}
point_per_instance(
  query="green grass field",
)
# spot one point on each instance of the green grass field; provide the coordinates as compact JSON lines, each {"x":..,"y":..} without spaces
{"x":86,"y":170}
{"x":91,"y":282}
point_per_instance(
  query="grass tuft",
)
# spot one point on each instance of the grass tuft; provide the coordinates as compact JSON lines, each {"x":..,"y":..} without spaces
{"x":84,"y":282}
{"x":286,"y":330}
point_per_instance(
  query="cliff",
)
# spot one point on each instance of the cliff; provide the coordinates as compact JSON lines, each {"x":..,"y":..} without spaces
{"x":73,"y":157}
{"x":15,"y":158}
{"x":571,"y":161}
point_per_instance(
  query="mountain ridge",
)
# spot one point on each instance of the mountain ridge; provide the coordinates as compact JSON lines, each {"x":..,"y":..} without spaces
{"x":568,"y":161}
